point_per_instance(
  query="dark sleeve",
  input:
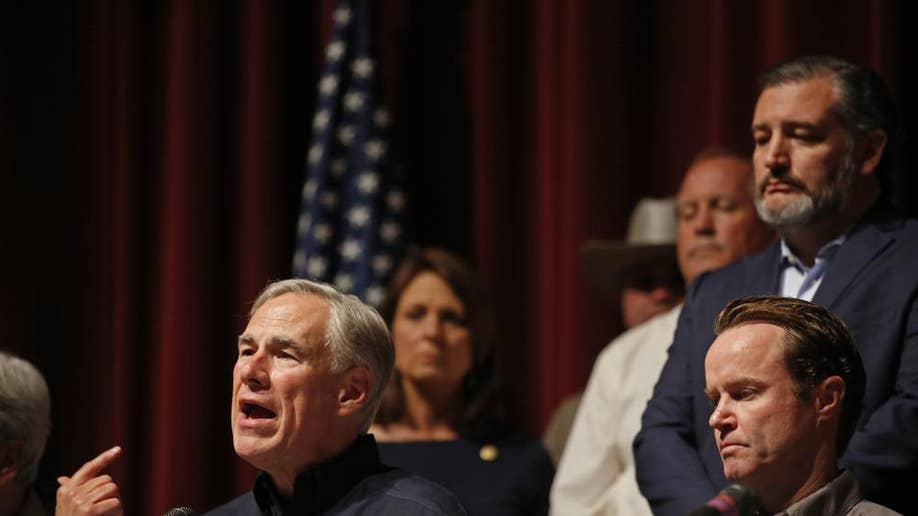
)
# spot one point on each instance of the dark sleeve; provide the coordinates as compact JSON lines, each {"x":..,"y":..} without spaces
{"x":669,"y":469}
{"x":883,"y":453}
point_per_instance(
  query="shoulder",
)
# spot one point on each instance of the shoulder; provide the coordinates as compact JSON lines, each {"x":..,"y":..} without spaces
{"x":907,"y":235}
{"x":380,"y":432}
{"x":521,"y":461}
{"x":659,"y":324}
{"x":241,"y":505}
{"x":753,"y":275}
{"x":524,"y":450}
{"x":744,"y":268}
{"x":631,"y":363}
{"x":867,"y":508}
{"x":465,"y":456}
{"x":883,"y":226}
{"x":400,"y":492}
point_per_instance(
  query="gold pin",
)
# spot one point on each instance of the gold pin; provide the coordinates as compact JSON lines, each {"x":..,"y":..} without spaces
{"x":488,"y":453}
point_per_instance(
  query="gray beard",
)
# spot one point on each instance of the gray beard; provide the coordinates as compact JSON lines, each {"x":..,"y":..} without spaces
{"x":808,"y":208}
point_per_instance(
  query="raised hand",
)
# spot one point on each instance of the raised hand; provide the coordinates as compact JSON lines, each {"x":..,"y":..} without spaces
{"x":88,"y":491}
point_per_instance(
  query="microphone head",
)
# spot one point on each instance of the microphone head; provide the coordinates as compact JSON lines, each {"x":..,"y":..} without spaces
{"x":744,"y":498}
{"x":181,"y":511}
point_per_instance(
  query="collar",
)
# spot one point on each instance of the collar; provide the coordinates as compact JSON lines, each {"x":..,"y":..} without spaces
{"x":320,"y":487}
{"x":836,"y":497}
{"x":825,"y":253}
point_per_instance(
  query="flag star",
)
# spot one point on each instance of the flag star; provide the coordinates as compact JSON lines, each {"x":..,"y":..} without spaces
{"x":344,"y":282}
{"x":335,"y":50}
{"x":375,"y":295}
{"x":351,"y":249}
{"x":303,"y":224}
{"x":328,"y":84}
{"x":329,"y":200}
{"x":346,"y":134}
{"x":299,"y":261}
{"x":389,"y":231}
{"x":316,"y":266}
{"x":320,"y":121}
{"x":368,"y":182}
{"x":315,"y":154}
{"x":338,"y":167}
{"x":381,"y":117}
{"x":374,"y":149}
{"x":342,"y":15}
{"x":359,"y":216}
{"x":353,"y":101}
{"x":309,"y":189}
{"x":322,"y":233}
{"x":382,"y":263}
{"x":362,"y":67}
{"x":395,"y":200}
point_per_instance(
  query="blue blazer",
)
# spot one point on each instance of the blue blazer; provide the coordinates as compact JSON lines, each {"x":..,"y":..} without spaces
{"x":872,"y":284}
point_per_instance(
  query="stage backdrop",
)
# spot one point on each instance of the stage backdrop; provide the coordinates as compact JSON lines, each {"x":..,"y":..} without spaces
{"x":152,"y":156}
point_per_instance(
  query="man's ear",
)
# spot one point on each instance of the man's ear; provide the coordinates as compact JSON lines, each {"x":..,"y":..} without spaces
{"x":870,"y":151}
{"x":828,"y":398}
{"x":355,"y":390}
{"x":11,"y":455}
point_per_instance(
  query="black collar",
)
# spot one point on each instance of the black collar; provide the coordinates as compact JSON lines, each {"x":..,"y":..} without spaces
{"x":320,"y":487}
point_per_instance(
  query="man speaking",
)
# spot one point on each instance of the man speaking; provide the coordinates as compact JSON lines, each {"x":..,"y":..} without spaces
{"x":309,"y":374}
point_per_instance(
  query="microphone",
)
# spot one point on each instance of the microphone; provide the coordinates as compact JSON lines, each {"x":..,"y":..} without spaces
{"x":734,"y":500}
{"x":181,"y":511}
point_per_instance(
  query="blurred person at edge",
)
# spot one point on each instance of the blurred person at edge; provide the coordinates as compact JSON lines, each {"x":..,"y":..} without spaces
{"x":310,"y":369}
{"x":25,"y":423}
{"x":786,"y":384}
{"x":441,"y":416}
{"x":642,"y":272}
{"x":823,"y":131}
{"x":717,"y":224}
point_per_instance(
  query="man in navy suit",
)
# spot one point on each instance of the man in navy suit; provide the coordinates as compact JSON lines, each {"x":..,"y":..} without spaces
{"x":823,"y":130}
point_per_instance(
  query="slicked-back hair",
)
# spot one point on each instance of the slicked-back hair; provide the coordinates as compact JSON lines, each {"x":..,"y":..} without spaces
{"x":355,"y":336}
{"x":25,"y":412}
{"x":864,"y":101}
{"x":817,"y":345}
{"x":482,"y":414}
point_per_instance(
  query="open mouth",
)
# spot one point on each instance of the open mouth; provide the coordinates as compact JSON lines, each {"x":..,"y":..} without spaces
{"x":255,"y":411}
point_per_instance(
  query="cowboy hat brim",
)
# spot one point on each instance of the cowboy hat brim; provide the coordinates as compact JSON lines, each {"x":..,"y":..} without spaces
{"x":604,"y":262}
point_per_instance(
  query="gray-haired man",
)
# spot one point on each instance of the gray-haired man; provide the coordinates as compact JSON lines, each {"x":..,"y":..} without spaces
{"x":309,"y":374}
{"x":25,"y":422}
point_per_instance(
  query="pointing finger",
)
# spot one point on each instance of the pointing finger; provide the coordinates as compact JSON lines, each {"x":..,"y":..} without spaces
{"x":96,"y":465}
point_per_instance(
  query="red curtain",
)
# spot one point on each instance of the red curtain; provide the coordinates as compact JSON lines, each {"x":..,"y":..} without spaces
{"x":153,"y":155}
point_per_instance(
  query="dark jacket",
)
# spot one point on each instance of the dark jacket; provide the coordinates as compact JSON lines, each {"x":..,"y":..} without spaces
{"x":353,"y":483}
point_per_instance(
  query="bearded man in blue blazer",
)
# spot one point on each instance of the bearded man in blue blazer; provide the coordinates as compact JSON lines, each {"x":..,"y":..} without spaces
{"x":823,"y":130}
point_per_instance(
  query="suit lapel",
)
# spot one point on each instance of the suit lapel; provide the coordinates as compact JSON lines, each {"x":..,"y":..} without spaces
{"x":867,"y":241}
{"x":762,"y":272}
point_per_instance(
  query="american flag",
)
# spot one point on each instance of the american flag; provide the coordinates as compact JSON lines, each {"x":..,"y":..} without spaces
{"x":351,"y":227}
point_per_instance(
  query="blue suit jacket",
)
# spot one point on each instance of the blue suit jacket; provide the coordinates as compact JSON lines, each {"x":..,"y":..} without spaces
{"x":871,"y":283}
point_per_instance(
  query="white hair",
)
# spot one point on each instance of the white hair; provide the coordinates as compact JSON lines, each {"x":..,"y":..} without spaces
{"x":356,"y":335}
{"x":25,"y":412}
